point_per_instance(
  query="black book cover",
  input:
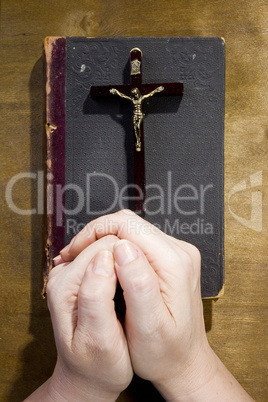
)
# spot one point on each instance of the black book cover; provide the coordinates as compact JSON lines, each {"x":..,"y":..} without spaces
{"x":90,"y":142}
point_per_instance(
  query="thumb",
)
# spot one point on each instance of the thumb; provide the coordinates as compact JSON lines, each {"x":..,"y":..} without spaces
{"x":140,"y":284}
{"x":96,"y":312}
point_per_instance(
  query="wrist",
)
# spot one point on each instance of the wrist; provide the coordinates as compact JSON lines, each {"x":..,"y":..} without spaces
{"x":65,"y":385}
{"x":187,"y":380}
{"x":205,"y":380}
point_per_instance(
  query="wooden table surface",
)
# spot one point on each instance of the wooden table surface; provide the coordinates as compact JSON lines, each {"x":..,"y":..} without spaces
{"x":236,"y":323}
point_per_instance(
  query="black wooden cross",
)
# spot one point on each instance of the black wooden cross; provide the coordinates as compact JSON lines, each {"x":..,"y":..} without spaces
{"x":136,"y":92}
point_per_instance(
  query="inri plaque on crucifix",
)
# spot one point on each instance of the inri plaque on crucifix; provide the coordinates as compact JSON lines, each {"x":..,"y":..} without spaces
{"x":136,"y":92}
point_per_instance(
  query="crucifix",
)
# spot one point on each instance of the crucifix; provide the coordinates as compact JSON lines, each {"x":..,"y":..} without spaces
{"x":136,"y":92}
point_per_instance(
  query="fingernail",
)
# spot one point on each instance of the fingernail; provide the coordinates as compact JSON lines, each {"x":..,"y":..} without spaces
{"x":103,"y":264}
{"x":68,"y":247}
{"x":71,"y":244}
{"x":124,"y":252}
{"x":57,"y":260}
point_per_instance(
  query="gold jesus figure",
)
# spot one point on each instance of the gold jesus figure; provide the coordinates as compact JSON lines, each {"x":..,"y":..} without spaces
{"x":137,"y":114}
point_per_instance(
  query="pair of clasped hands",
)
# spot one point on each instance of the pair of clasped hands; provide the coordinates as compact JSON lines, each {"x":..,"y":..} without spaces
{"x":163,"y":338}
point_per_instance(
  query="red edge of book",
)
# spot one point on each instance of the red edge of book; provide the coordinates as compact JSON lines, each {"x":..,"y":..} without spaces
{"x":55,"y":76}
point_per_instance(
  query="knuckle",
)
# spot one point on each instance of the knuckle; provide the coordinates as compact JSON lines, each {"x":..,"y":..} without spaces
{"x":189,"y":248}
{"x":195,"y":253}
{"x":142,"y":284}
{"x":185,"y":258}
{"x":188,"y":266}
{"x":126,"y":211}
{"x":185,"y":261}
{"x":190,"y":256}
{"x":86,"y":231}
{"x":55,"y":279}
{"x":110,"y":239}
{"x":180,"y":257}
{"x":94,"y":297}
{"x":51,"y":284}
{"x":191,"y":262}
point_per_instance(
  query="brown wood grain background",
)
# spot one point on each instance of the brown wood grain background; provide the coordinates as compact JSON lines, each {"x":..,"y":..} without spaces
{"x":236,"y":323}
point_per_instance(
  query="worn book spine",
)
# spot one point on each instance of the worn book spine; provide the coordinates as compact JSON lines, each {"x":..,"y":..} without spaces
{"x":55,"y":77}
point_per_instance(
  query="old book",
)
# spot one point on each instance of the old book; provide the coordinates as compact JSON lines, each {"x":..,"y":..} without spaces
{"x":90,"y":141}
